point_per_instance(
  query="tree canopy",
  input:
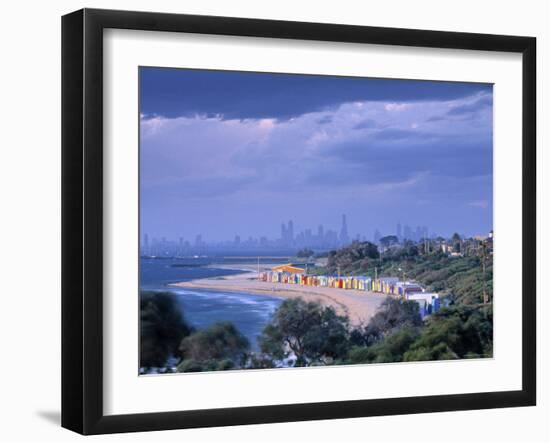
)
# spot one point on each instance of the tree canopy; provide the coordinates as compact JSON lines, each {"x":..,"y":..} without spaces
{"x":162,"y":327}
{"x":389,"y":350}
{"x":452,"y":333}
{"x":392,"y":315}
{"x":389,"y":240}
{"x":355,"y":257}
{"x":220,"y":346}
{"x":306,"y":331}
{"x":455,"y":332}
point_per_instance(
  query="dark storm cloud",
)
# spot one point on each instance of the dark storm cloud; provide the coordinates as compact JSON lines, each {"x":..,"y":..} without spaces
{"x":241,"y":95}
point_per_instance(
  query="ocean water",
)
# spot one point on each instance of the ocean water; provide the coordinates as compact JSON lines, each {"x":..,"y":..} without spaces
{"x":201,"y":308}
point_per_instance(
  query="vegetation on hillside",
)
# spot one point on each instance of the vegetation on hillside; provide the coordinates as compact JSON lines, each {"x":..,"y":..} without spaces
{"x":352,"y":259}
{"x":460,"y":279}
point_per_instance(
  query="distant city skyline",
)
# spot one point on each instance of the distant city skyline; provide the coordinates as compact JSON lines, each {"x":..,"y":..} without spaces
{"x":288,"y":233}
{"x":232,"y":155}
{"x":289,"y":239}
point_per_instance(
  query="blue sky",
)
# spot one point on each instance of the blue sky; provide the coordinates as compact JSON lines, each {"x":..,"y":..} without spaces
{"x":233,"y":153}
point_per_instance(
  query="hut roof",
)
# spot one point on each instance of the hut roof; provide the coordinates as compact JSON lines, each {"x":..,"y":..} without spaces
{"x":288,"y":268}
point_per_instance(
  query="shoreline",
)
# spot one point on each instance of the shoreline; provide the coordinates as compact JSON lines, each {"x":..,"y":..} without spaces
{"x":359,"y":306}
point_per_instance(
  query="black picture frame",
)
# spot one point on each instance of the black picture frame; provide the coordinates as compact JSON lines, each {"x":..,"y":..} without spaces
{"x":82,"y":218}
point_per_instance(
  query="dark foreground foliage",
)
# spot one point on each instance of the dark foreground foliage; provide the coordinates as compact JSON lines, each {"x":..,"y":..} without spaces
{"x":303,"y":333}
{"x":218,"y":347}
{"x":307,"y":332}
{"x":162,"y":327}
{"x":392,"y":316}
{"x":388,"y":350}
{"x":453,"y":333}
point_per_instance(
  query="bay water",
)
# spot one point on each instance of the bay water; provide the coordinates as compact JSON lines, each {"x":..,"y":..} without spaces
{"x":201,"y":308}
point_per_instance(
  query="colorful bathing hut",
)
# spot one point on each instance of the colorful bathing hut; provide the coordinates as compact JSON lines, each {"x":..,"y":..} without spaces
{"x":385,"y":285}
{"x":408,"y":290}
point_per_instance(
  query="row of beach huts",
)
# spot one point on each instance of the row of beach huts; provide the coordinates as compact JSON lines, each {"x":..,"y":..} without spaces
{"x":409,"y":290}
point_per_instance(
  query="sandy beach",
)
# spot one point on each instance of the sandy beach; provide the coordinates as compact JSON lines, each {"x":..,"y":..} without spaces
{"x":359,"y":306}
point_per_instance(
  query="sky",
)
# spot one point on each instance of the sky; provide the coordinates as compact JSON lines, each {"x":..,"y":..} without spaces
{"x":227,"y":153}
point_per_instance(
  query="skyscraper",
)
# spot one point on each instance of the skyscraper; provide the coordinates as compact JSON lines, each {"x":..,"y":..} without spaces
{"x":290,"y":231}
{"x":321,"y":232}
{"x":308,"y":237}
{"x":198,"y":240}
{"x":287,"y":233}
{"x":344,"y":237}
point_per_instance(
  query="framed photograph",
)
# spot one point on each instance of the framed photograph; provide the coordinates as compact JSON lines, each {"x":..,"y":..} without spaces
{"x":268,"y":221}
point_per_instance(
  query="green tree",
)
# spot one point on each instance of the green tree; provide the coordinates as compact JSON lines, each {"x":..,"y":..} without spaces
{"x":410,"y":250}
{"x":310,"y":332}
{"x":162,"y":327}
{"x":457,"y":242}
{"x":356,"y":256}
{"x":392,"y":315}
{"x":220,"y":346}
{"x":389,"y":240}
{"x":455,"y":332}
{"x":389,"y":350}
